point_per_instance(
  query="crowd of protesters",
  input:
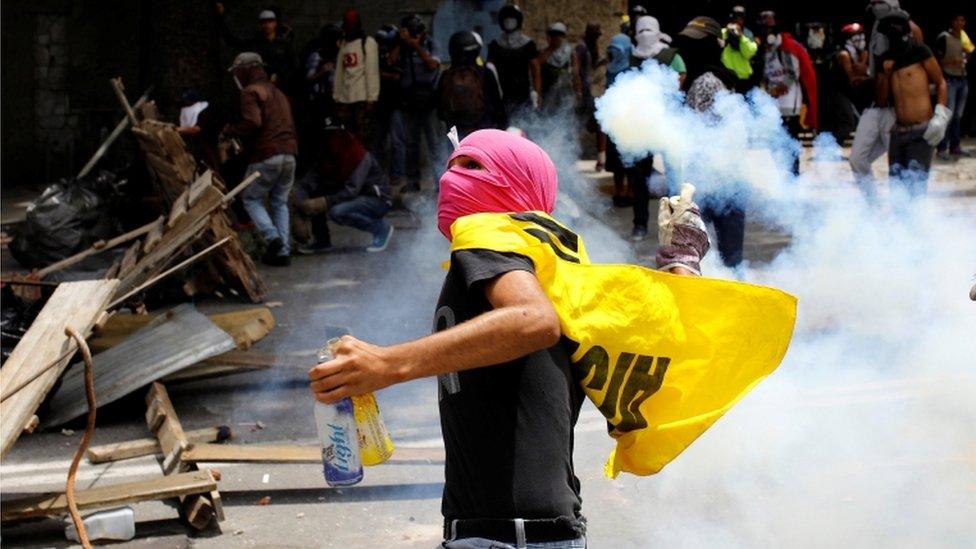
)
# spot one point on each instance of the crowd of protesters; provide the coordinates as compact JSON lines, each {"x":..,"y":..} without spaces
{"x":346,"y":115}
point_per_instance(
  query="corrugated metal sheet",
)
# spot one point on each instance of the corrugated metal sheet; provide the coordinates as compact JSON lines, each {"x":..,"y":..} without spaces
{"x":171,"y":342}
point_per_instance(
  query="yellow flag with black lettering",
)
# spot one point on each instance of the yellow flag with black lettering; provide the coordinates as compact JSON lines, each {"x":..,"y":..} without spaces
{"x":662,"y":356}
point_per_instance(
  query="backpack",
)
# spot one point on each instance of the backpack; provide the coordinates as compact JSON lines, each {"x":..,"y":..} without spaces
{"x":463,"y":96}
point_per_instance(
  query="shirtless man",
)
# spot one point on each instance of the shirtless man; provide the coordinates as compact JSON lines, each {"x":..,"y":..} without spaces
{"x":908,"y":69}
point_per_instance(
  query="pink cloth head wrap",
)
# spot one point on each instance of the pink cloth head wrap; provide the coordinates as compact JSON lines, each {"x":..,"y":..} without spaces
{"x":518,"y":177}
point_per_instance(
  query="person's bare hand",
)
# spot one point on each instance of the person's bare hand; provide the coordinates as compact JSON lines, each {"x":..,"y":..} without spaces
{"x":358,"y":368}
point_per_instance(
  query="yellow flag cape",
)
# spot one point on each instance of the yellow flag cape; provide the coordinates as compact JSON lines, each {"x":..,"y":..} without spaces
{"x":662,"y":356}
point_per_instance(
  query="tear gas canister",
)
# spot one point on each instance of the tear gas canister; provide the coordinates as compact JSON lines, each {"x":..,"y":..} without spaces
{"x":337,"y":431}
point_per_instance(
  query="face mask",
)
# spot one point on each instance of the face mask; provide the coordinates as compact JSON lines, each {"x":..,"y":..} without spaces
{"x":509,"y":24}
{"x":816,"y":40}
{"x":859,"y":42}
{"x":773,"y":40}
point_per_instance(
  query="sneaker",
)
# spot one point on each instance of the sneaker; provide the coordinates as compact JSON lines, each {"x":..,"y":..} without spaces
{"x":639,"y":233}
{"x":382,"y":240}
{"x":313,"y":248}
{"x":275,"y":245}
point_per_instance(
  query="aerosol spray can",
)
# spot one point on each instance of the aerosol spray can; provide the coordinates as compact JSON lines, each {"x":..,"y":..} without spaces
{"x":336,"y":425}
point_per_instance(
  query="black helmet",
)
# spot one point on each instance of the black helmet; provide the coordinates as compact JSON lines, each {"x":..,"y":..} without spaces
{"x":414,"y":25}
{"x":387,"y":35}
{"x":510,"y":11}
{"x":464,"y":47}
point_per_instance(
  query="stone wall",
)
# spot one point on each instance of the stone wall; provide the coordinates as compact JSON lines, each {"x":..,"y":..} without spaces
{"x":55,"y":125}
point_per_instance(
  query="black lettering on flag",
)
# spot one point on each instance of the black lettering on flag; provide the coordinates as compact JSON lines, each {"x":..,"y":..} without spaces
{"x":545,"y":238}
{"x":595,"y":360}
{"x":609,"y":405}
{"x":640,"y":386}
{"x":568,"y":238}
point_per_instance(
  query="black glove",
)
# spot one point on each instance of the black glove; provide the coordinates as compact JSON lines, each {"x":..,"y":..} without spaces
{"x":733,"y":39}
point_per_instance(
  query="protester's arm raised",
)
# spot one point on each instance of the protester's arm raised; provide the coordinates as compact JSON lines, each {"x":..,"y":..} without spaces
{"x":522,"y":321}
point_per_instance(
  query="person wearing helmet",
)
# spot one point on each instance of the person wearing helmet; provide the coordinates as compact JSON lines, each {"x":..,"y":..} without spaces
{"x":557,"y":72}
{"x":846,"y":89}
{"x":737,"y":17}
{"x":512,"y":54}
{"x":739,"y":51}
{"x":268,"y":41}
{"x":470,"y":97}
{"x":268,"y":130}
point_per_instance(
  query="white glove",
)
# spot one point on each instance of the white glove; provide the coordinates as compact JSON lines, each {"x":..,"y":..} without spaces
{"x":682,"y":238}
{"x":936,"y":129}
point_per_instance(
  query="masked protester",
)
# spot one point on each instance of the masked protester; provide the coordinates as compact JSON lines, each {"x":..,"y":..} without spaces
{"x":357,"y":78}
{"x":953,"y":49}
{"x":789,"y":76}
{"x":872,"y":136}
{"x":269,"y":134}
{"x":845,"y":91}
{"x":652,"y":44}
{"x":512,"y":54}
{"x":618,"y":61}
{"x":701,"y":46}
{"x":557,"y":72}
{"x":348,"y":186}
{"x":739,"y":51}
{"x":470,"y":97}
{"x":497,"y":351}
{"x":909,"y":70}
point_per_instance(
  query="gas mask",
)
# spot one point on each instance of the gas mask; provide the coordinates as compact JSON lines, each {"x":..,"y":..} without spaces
{"x":509,"y":24}
{"x":773,"y":40}
{"x":859,"y":42}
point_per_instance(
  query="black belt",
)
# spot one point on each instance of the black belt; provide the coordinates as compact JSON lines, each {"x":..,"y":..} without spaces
{"x":506,"y":530}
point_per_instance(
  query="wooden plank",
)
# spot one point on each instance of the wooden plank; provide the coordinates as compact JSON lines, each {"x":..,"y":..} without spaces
{"x":199,"y":186}
{"x":180,"y":206}
{"x":154,"y":235}
{"x":129,"y":258}
{"x":239,"y":453}
{"x":120,"y":93}
{"x":246,"y":326}
{"x":149,"y":446}
{"x":168,"y":344}
{"x":54,"y":504}
{"x":75,"y":304}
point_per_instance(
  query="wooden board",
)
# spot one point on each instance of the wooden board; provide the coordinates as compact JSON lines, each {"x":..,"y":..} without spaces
{"x":77,"y":304}
{"x":246,"y":326}
{"x":55,"y":504}
{"x":144,"y":446}
{"x":170,"y":343}
{"x":239,"y":453}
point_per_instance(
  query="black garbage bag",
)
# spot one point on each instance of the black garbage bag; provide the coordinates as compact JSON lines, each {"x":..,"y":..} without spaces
{"x":68,"y":217}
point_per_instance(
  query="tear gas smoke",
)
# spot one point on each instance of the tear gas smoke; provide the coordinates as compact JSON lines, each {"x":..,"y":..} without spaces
{"x":864,"y":434}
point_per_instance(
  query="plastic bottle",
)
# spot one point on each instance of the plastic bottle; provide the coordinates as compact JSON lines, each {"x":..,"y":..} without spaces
{"x":375,"y":444}
{"x":338,"y":435}
{"x":114,"y":524}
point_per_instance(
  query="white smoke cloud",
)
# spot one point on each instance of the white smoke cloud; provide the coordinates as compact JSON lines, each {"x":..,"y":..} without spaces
{"x":864,"y":435}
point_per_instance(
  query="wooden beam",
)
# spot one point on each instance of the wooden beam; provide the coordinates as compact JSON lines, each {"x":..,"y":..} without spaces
{"x":119,"y":128}
{"x":75,"y":304}
{"x":239,"y":453}
{"x":120,"y":93}
{"x":150,"y":446}
{"x":54,"y":504}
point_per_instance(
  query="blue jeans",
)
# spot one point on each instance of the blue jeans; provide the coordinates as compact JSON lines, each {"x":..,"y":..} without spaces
{"x":408,"y":128}
{"x":363,"y":212}
{"x":958,"y":91}
{"x":277,"y":177}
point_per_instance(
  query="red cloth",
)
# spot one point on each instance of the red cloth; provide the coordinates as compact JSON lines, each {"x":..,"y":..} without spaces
{"x":340,"y":155}
{"x":518,"y":176}
{"x":808,"y":77}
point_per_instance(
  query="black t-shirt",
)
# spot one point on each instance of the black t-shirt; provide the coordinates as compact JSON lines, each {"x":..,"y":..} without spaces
{"x":513,"y":70}
{"x":914,"y":53}
{"x":508,"y":429}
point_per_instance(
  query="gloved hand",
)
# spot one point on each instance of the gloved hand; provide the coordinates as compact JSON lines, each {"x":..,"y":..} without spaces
{"x":936,"y":129}
{"x":682,"y":238}
{"x":732,"y":37}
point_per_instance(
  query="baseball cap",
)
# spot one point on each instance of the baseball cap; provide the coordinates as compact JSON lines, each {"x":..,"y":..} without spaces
{"x":266,"y":15}
{"x":700,"y":27}
{"x":246,"y":59}
{"x":557,"y":28}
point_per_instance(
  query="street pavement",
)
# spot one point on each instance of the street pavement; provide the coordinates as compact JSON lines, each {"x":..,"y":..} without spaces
{"x":762,"y":476}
